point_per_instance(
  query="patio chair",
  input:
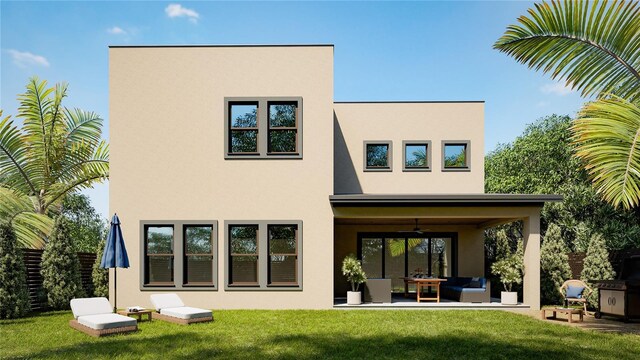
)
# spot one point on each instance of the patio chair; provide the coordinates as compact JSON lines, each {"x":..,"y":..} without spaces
{"x":95,"y":317}
{"x":169,"y":307}
{"x":583,"y":296}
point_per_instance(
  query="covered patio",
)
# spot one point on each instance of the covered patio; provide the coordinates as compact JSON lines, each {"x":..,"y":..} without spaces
{"x":440,"y":236}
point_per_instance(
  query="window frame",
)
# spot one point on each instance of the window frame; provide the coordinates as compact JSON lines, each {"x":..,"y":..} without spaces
{"x":263,"y":256}
{"x":270,"y":254}
{"x":467,"y":156}
{"x":426,"y":143}
{"x":147,"y":255}
{"x":256,"y":254}
{"x":264,"y":127}
{"x":389,"y":166}
{"x":271,"y":129}
{"x":244,"y":129}
{"x":186,"y":254}
{"x":179,"y":247}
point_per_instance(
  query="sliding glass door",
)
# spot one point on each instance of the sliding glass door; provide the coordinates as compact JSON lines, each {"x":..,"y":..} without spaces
{"x":398,"y":255}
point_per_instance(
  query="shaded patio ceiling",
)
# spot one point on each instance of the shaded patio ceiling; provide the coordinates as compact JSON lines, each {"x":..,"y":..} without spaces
{"x":411,"y":222}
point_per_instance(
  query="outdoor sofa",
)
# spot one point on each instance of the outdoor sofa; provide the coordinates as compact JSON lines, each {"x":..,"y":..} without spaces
{"x":169,"y":307}
{"x":95,"y":317}
{"x":466,"y":289}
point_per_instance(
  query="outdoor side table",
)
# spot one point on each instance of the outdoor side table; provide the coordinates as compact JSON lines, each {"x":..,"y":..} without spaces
{"x":137,"y":314}
{"x":567,"y":311}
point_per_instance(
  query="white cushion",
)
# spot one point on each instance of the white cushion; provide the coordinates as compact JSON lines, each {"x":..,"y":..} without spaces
{"x":106,"y":321}
{"x":90,"y":306}
{"x":162,"y":301}
{"x":186,"y":312}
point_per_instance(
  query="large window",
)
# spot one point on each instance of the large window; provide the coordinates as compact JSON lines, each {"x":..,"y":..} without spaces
{"x":263,"y":128}
{"x":243,"y":259}
{"x":263,"y":255}
{"x":398,"y":255}
{"x":179,"y":254}
{"x":455,"y":155}
{"x":417,"y":155}
{"x":198,"y":254}
{"x":159,"y":255}
{"x":377,"y":156}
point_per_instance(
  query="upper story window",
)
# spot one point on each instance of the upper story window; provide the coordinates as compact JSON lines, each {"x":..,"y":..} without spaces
{"x":259,"y":128}
{"x":417,"y":155}
{"x":455,"y":155}
{"x":377,"y":156}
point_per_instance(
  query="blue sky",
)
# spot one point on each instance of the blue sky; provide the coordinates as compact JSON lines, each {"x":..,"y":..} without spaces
{"x":383,"y":51}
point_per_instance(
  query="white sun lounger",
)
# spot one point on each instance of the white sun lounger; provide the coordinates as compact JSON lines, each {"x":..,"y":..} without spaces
{"x":169,"y":307}
{"x":95,"y":317}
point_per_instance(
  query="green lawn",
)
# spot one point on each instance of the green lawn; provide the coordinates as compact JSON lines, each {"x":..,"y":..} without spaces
{"x":398,"y":334}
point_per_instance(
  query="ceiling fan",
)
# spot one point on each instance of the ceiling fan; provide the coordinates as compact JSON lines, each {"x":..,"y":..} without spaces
{"x":416,"y":229}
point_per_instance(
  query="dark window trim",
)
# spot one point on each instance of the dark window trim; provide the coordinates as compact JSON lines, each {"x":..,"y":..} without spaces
{"x":263,"y":127}
{"x":263,"y":256}
{"x":406,"y":168}
{"x":467,"y":155}
{"x":296,"y":255}
{"x":185,"y":256}
{"x":389,"y":166}
{"x":178,"y":256}
{"x":256,"y":254}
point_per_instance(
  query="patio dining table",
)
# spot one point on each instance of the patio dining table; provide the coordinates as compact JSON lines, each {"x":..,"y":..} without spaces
{"x":421,"y":283}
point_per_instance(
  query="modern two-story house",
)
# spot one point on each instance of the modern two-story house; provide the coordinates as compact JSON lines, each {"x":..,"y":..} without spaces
{"x":241,"y":183}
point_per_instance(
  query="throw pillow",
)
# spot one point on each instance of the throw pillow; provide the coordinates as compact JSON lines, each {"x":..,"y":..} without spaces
{"x":575,"y":291}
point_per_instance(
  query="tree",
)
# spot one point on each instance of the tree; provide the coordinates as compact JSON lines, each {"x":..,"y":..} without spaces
{"x":554,"y":265}
{"x":510,"y":268}
{"x":546,"y":143}
{"x":99,"y":275}
{"x":14,"y":294}
{"x":596,"y":265}
{"x":86,"y":228}
{"x":60,"y":268}
{"x":352,"y":269}
{"x":595,"y":49}
{"x":56,"y":151}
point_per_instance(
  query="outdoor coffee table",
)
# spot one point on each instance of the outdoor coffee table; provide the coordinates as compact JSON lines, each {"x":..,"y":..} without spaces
{"x":421,"y":283}
{"x":568,"y":311}
{"x":138,"y":314}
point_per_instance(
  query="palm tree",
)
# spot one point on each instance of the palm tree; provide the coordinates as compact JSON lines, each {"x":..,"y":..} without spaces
{"x":56,"y":151}
{"x":594,"y":48}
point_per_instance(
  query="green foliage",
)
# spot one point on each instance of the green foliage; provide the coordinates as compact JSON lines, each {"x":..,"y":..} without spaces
{"x":86,"y":228}
{"x":582,"y":237}
{"x":14,"y":294}
{"x":546,"y":143}
{"x":352,"y":269}
{"x":60,"y":269}
{"x":503,"y":246}
{"x":596,"y":265}
{"x":554,"y":265}
{"x":596,"y":49}
{"x":99,"y":275}
{"x":56,"y":151}
{"x":510,"y":267}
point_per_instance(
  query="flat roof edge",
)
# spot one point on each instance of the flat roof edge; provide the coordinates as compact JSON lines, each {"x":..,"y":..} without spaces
{"x":220,"y":45}
{"x":410,"y":102}
{"x":443,"y":199}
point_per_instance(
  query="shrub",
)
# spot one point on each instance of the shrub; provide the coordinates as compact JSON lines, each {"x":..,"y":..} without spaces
{"x":352,"y":269}
{"x":14,"y":294}
{"x":60,"y":271}
{"x":554,"y":265}
{"x":510,"y":268}
{"x":596,"y":265}
{"x":100,"y":276}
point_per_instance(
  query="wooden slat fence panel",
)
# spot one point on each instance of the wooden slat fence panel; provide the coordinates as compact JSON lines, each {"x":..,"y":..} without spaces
{"x":576,"y":260}
{"x":32,"y":259}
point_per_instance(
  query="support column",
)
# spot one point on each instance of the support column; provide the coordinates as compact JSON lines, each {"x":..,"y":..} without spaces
{"x":531,"y":237}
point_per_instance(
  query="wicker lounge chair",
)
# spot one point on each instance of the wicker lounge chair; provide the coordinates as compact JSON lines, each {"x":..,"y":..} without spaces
{"x":95,"y":317}
{"x":582,"y":299}
{"x":169,"y":307}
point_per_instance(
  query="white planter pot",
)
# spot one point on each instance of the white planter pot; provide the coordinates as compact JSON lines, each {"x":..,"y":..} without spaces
{"x":354,"y":298}
{"x":509,"y":298}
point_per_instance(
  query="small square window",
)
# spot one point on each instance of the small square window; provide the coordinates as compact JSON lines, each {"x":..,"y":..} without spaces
{"x":417,"y":156}
{"x":455,"y":155}
{"x":377,"y":156}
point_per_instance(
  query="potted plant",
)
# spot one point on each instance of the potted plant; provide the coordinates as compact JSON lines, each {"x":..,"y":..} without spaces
{"x":510,"y":270}
{"x":352,"y":269}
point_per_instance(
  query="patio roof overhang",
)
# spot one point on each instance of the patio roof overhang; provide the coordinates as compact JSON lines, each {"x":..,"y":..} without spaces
{"x":447,"y":200}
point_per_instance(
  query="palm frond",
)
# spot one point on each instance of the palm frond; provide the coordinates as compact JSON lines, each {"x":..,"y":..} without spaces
{"x":594,"y":48}
{"x":18,"y":210}
{"x":607,"y":138}
{"x":13,"y":158}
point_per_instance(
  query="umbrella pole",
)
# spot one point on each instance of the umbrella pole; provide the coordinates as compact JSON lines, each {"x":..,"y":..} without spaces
{"x":115,"y":289}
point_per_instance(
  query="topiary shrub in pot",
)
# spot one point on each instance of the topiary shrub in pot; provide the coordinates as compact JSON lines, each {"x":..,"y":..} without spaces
{"x":510,"y":269}
{"x":352,"y":269}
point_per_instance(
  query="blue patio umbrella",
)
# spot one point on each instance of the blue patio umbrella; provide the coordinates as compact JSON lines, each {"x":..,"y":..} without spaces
{"x":115,"y":254}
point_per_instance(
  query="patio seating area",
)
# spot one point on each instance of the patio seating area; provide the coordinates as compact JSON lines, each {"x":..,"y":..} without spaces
{"x":398,"y":301}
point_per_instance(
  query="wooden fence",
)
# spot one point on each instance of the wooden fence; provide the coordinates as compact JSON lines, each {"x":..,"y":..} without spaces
{"x":32,"y":259}
{"x":576,"y":260}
